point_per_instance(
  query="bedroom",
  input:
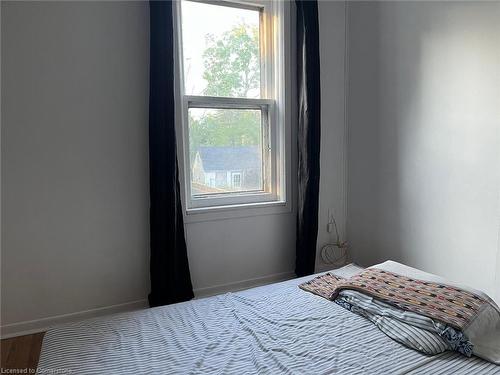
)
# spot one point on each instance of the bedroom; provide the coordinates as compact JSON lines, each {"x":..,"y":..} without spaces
{"x":409,"y":159}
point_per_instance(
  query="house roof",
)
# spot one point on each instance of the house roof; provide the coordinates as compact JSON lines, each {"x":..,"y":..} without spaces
{"x":230,"y":158}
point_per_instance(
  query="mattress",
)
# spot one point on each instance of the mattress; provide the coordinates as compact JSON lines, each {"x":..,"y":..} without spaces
{"x":275,"y":329}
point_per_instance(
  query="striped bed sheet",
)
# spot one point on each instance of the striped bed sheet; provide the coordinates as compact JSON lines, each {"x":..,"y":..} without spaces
{"x":275,"y":329}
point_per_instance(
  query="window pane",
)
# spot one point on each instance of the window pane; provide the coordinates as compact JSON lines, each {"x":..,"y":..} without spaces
{"x":225,"y":150}
{"x":220,"y":50}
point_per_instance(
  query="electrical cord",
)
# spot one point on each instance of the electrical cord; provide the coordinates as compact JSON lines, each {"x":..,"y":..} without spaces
{"x":333,"y":254}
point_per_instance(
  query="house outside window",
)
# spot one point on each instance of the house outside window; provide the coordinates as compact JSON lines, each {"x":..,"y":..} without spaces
{"x":233,"y":112}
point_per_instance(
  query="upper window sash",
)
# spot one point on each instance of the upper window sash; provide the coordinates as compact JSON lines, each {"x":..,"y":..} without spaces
{"x":263,"y":21}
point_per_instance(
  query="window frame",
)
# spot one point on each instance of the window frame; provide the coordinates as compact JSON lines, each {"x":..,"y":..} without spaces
{"x":275,"y":130}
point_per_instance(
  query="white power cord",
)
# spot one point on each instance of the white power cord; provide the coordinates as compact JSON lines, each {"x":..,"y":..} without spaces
{"x":334,"y":253}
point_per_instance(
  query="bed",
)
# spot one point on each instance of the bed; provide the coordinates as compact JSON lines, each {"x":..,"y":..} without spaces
{"x":274,"y":329}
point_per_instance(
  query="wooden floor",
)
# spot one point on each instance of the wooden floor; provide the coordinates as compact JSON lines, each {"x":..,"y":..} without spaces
{"x":21,"y":352}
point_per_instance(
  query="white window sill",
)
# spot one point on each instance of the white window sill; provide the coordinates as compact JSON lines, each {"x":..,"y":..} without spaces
{"x":194,"y":215}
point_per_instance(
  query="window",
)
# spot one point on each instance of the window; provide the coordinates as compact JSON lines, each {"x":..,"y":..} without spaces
{"x":236,"y":180}
{"x":231,"y":84}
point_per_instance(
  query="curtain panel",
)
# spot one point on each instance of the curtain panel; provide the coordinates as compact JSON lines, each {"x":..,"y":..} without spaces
{"x":169,"y":268}
{"x":309,"y":135}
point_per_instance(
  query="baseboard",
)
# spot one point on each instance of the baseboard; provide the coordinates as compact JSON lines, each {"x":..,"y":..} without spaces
{"x":241,"y":285}
{"x":42,"y":325}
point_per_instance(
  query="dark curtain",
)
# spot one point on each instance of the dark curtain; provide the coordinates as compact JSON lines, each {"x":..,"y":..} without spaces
{"x":169,"y":268}
{"x":308,"y":138}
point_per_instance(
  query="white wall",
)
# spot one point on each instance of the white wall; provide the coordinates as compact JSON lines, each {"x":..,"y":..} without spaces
{"x":497,"y":278}
{"x":424,"y":137}
{"x":333,"y":126}
{"x":75,"y":191}
{"x":231,"y":251}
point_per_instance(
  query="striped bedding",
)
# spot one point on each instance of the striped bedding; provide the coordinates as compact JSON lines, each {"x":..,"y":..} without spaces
{"x":276,"y":329}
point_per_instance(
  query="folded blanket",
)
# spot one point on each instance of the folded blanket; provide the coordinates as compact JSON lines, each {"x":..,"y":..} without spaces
{"x":450,"y":305}
{"x":410,"y":329}
{"x":452,"y":312}
{"x":483,"y":331}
